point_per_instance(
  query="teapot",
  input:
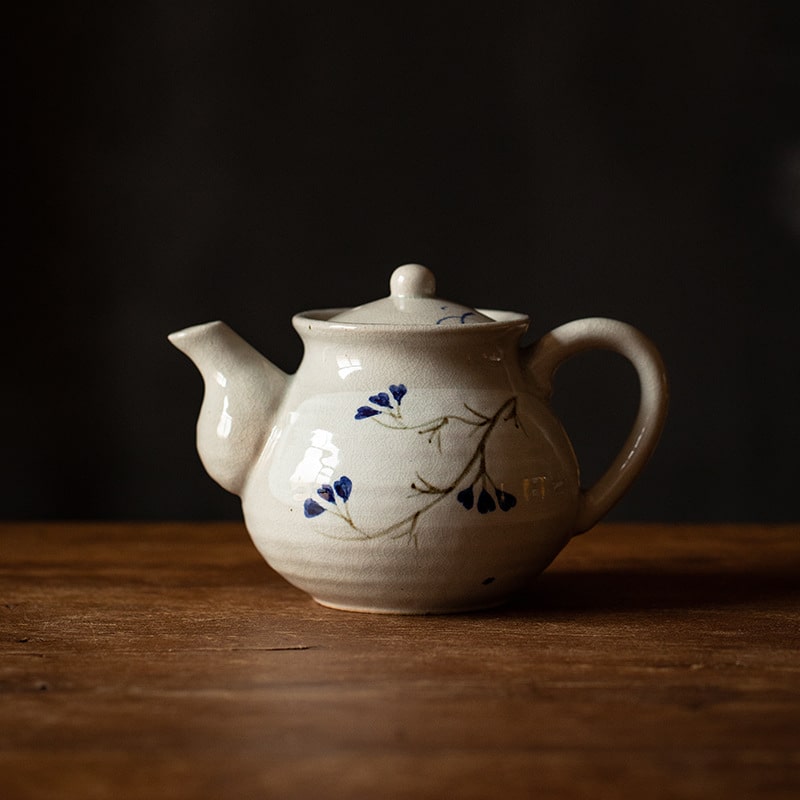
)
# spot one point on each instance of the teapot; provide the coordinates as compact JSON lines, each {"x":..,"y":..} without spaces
{"x":413,"y":463}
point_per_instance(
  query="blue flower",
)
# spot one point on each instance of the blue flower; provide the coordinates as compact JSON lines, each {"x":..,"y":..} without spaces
{"x":343,"y":487}
{"x":326,"y":493}
{"x":505,"y":500}
{"x":311,"y":508}
{"x":398,"y":391}
{"x":466,"y":497}
{"x":485,"y":502}
{"x":381,"y":399}
{"x":383,"y":402}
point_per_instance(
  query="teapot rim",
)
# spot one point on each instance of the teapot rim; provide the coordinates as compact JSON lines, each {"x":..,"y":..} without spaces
{"x":317,"y":320}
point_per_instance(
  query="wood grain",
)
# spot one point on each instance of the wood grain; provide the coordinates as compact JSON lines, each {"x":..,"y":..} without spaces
{"x":168,"y":661}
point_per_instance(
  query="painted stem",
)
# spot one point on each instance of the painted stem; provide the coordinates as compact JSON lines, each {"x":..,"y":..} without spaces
{"x":479,"y":456}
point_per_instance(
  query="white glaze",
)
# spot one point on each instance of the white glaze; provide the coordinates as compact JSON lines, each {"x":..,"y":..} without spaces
{"x":411,"y":465}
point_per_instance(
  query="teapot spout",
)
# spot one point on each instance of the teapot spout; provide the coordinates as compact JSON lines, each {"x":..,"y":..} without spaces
{"x":242,"y":393}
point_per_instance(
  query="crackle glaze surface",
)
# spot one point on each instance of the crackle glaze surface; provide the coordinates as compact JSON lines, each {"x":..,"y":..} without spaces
{"x":411,"y":491}
{"x":412,"y":464}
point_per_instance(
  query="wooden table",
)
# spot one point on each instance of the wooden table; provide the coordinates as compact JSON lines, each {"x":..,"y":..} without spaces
{"x":168,"y":661}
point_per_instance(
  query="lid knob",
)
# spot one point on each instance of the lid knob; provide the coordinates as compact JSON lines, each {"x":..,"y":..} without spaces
{"x":412,"y":302}
{"x":412,"y":280}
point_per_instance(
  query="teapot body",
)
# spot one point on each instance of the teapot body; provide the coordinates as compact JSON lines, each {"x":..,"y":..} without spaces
{"x":412,"y":471}
{"x":412,"y":464}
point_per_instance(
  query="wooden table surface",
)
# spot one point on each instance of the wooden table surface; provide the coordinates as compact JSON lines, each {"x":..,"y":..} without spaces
{"x":168,"y":661}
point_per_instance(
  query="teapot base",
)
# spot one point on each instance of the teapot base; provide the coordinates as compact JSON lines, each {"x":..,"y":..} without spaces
{"x":411,"y":611}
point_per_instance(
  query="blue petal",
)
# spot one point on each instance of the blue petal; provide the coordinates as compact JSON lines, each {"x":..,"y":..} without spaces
{"x":381,"y":399}
{"x":505,"y":500}
{"x":365,"y":411}
{"x":343,"y":487}
{"x":312,"y":508}
{"x":326,"y":493}
{"x":466,"y":498}
{"x":398,"y":392}
{"x":485,"y":502}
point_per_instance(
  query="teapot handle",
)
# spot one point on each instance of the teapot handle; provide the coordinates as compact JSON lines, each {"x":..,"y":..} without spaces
{"x":553,"y":349}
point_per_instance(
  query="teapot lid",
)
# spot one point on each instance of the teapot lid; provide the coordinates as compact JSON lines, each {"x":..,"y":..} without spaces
{"x":412,"y":301}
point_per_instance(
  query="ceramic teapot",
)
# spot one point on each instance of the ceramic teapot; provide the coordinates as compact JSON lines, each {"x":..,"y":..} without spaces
{"x":412,"y":464}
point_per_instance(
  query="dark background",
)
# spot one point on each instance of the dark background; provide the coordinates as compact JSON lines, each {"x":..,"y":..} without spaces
{"x":172,"y":163}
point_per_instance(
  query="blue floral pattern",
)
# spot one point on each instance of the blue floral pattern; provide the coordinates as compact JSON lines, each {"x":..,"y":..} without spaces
{"x":473,"y":487}
{"x":340,"y":490}
{"x":381,"y":403}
